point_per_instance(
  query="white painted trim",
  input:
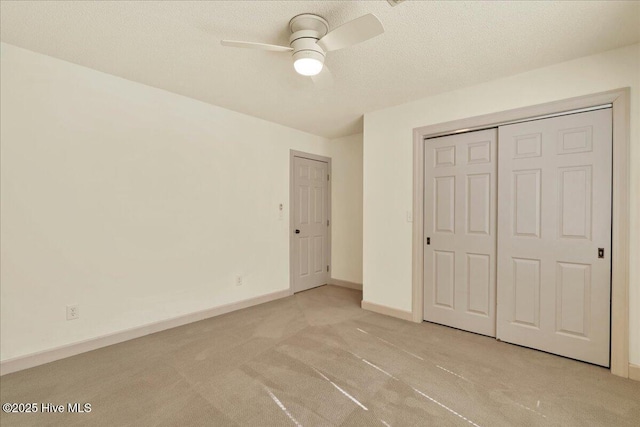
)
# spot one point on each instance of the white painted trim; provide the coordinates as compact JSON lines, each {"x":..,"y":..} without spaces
{"x":387,"y":311}
{"x":620,"y":99}
{"x":634,"y":372}
{"x":292,"y":155}
{"x":620,"y":241}
{"x":40,"y":358}
{"x":345,"y":284}
{"x":417,"y":263}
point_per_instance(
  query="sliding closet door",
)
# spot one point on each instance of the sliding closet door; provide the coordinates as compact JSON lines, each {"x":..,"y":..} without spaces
{"x":460,"y":231}
{"x":554,"y":235}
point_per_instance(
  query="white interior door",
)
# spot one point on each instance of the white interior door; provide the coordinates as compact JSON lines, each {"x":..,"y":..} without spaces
{"x":554,"y":235}
{"x":460,"y":231}
{"x":310,"y":224}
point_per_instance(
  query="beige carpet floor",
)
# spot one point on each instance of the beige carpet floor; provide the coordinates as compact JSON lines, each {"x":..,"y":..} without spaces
{"x":317,"y":359}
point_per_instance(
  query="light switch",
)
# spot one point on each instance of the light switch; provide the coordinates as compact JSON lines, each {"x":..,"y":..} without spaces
{"x":409,"y":216}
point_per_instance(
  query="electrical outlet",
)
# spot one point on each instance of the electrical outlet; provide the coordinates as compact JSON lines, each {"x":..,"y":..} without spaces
{"x":239,"y":280}
{"x":73,"y":312}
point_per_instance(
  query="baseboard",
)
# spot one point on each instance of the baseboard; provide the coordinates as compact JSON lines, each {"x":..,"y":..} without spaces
{"x":387,"y":311}
{"x":40,"y":358}
{"x":345,"y":284}
{"x":634,"y":372}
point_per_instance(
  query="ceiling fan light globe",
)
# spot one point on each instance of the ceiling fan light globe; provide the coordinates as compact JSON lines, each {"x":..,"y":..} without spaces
{"x":308,"y":62}
{"x":307,"y":66}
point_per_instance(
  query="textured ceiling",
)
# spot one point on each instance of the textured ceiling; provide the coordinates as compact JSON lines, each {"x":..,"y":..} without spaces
{"x":428,"y":47}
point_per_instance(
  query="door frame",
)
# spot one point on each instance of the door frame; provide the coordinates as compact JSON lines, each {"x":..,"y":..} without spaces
{"x":620,"y":100}
{"x":292,"y":155}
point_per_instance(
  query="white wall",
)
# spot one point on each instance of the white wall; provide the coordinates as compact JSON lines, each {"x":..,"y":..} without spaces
{"x":346,"y":212}
{"x":135,"y":203}
{"x":388,"y":162}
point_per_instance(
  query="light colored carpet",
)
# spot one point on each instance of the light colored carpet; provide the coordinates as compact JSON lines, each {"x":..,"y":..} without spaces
{"x":317,"y":359}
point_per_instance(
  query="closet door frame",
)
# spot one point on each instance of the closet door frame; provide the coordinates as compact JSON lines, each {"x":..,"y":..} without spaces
{"x":620,"y":101}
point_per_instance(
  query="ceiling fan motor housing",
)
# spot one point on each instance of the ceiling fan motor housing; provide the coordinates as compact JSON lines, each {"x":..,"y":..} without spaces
{"x":306,"y":47}
{"x":306,"y":30}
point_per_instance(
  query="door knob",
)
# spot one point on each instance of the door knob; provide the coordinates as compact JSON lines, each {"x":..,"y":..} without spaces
{"x":297,"y":231}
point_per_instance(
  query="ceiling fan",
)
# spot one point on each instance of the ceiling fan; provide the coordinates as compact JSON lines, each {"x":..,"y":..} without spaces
{"x":310,"y":40}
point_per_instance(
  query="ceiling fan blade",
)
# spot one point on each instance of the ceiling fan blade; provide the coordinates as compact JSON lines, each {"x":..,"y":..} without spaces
{"x":259,"y":46}
{"x":353,"y":32}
